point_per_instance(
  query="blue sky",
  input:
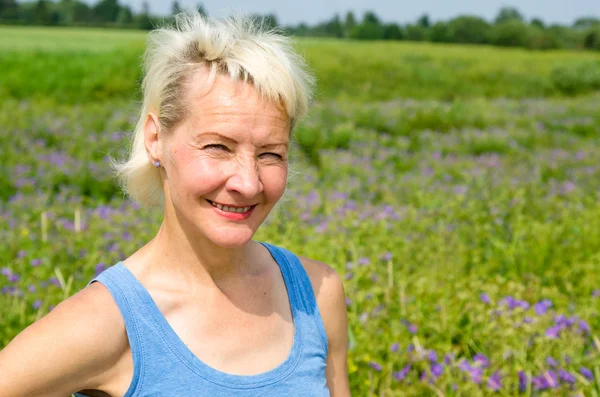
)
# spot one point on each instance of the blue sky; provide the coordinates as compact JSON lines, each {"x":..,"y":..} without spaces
{"x":401,"y":11}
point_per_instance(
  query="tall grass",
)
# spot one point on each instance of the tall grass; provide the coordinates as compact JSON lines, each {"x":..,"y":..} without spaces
{"x":467,"y":231}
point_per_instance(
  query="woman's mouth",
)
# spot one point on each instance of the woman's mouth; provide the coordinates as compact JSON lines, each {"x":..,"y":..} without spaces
{"x":232,"y":208}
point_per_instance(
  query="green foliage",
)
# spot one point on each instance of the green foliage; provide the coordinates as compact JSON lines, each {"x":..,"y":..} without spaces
{"x":508,"y":14}
{"x":592,"y":38}
{"x":415,"y":33}
{"x":418,"y":70}
{"x":577,"y":78}
{"x":469,"y":30}
{"x":418,"y":179}
{"x":368,"y":31}
{"x":512,"y":33}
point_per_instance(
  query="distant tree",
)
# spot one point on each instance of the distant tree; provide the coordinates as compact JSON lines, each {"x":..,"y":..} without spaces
{"x":537,"y":23}
{"x":330,"y":28}
{"x":586,"y":22}
{"x":541,"y":39}
{"x":424,"y":21}
{"x":392,"y":31}
{"x":469,"y":29}
{"x":81,"y":12}
{"x":334,"y":27}
{"x":369,"y":29}
{"x":440,"y":32}
{"x":510,"y":34}
{"x":301,"y":30}
{"x":106,"y":10}
{"x":175,"y":8}
{"x":349,"y":23}
{"x":201,"y":10}
{"x":144,"y":20}
{"x":371,"y":18}
{"x":591,"y":40}
{"x":125,"y":16}
{"x":415,"y":33}
{"x":9,"y":9}
{"x":507,"y":14}
{"x":41,"y":12}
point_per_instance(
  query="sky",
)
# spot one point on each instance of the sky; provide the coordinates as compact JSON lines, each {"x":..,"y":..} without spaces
{"x":399,"y":11}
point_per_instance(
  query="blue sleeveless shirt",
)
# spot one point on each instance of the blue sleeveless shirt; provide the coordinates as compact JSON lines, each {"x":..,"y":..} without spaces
{"x":164,"y":366}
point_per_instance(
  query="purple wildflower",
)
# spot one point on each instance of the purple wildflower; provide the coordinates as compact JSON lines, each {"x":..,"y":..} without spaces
{"x":437,"y":370}
{"x":584,"y":326}
{"x":551,"y":361}
{"x":481,"y":360}
{"x":551,"y":379}
{"x":412,"y":328}
{"x":476,"y":374}
{"x":400,"y":375}
{"x":448,"y":358}
{"x":395,"y":348}
{"x":364,"y":261}
{"x":13,"y":278}
{"x":99,"y":268}
{"x":37,"y":304}
{"x":375,"y":365}
{"x":485,"y":298}
{"x":587,"y":373}
{"x":566,"y":376}
{"x":54,"y":281}
{"x":596,"y":293}
{"x":542,"y":307}
{"x":523,"y":381}
{"x":387,"y":256}
{"x":553,"y":332}
{"x":495,"y":381}
{"x":35,"y":262}
{"x":432,"y":356}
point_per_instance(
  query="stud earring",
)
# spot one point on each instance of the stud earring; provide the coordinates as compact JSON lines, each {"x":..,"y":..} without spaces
{"x":157,"y":163}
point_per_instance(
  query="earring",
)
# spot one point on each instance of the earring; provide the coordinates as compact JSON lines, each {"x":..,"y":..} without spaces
{"x":157,"y":163}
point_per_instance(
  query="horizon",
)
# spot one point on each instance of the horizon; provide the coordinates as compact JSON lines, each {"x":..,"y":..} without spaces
{"x":312,"y":12}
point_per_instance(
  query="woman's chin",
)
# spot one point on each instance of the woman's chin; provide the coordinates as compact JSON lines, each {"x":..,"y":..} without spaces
{"x":233,"y":239}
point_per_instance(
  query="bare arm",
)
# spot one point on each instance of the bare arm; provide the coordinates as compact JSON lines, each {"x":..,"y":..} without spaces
{"x":69,"y":349}
{"x":329,"y":292}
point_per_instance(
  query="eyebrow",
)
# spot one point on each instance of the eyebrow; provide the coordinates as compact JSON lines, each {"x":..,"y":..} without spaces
{"x":226,"y":138}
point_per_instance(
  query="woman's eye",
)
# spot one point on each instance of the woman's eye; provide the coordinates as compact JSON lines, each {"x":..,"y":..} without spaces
{"x":272,"y":155}
{"x":216,"y":146}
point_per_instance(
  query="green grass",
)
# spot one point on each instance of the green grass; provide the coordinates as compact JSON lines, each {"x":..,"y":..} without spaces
{"x":36,"y":61}
{"x":425,"y":175}
{"x":89,"y":40}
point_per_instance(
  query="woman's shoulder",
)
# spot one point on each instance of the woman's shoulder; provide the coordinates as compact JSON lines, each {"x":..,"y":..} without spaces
{"x":84,"y":336}
{"x":329,"y":293}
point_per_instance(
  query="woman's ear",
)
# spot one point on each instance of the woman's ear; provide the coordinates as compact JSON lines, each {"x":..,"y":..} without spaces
{"x":151,"y":142}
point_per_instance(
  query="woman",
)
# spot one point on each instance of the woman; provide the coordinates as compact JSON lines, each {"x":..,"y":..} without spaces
{"x":202,"y":309}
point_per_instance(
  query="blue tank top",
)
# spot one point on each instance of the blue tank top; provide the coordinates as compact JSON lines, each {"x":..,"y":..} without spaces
{"x":164,"y":366}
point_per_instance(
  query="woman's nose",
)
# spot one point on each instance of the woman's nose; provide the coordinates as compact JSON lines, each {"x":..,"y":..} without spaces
{"x":246,"y":179}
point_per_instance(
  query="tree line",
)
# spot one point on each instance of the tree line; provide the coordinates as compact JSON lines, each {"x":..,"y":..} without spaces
{"x":509,"y":28}
{"x":105,"y":13}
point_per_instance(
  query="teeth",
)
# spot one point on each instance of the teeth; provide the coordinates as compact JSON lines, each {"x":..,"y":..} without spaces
{"x":230,"y":209}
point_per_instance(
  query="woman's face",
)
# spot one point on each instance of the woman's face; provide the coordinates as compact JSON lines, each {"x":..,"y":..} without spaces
{"x":226,"y":163}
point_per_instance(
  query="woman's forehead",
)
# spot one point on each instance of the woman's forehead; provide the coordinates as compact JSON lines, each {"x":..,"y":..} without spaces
{"x":221,"y":93}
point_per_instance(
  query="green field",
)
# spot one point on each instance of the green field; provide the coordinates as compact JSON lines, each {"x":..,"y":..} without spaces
{"x":454,"y":188}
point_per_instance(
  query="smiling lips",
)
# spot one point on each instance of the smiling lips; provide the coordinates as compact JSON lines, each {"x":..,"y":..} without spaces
{"x":227,"y":210}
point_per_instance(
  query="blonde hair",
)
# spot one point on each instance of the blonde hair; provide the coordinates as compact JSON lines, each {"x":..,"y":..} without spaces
{"x":236,"y":46}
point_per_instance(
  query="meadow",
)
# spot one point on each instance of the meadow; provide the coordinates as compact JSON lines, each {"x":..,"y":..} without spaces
{"x":454,"y":188}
